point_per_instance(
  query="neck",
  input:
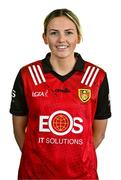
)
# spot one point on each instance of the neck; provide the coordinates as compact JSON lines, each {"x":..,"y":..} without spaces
{"x":62,"y":66}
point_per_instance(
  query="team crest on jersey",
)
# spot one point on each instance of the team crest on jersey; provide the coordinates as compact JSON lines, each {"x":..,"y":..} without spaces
{"x":84,"y":94}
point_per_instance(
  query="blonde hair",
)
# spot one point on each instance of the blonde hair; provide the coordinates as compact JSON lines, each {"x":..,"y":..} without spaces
{"x":63,"y":12}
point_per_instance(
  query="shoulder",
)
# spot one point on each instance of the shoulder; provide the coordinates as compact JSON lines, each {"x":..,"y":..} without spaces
{"x":92,"y":73}
{"x":89,"y":65}
{"x":32,"y":64}
{"x":33,"y":72}
{"x":31,"y":67}
{"x":36,"y":64}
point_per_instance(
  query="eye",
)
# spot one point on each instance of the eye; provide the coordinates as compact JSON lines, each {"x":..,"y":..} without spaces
{"x":53,"y":33}
{"x":68,"y":32}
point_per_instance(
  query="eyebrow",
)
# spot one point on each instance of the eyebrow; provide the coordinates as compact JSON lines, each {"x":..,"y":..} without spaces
{"x":64,"y":30}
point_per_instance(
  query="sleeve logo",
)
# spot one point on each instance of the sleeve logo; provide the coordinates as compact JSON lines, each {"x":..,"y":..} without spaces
{"x":13,"y":93}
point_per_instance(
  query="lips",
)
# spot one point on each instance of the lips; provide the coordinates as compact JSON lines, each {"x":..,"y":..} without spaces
{"x":62,"y":46}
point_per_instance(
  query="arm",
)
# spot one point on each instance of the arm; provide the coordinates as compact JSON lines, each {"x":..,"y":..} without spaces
{"x":19,"y":110}
{"x":99,"y":128}
{"x":19,"y":127}
{"x":103,"y":112}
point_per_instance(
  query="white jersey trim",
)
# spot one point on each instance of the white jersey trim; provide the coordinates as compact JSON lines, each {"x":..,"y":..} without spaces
{"x":36,"y":74}
{"x":90,"y":75}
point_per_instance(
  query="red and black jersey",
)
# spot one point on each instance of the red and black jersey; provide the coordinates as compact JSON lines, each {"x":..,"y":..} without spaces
{"x":60,"y":110}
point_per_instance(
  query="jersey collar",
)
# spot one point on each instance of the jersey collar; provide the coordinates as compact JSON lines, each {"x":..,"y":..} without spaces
{"x":79,"y":66}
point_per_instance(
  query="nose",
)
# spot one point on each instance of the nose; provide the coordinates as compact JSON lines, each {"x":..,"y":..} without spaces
{"x":61,"y":37}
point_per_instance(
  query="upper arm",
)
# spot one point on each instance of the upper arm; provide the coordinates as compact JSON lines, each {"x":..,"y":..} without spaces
{"x":19,"y":123}
{"x":19,"y":127}
{"x":18,"y":102}
{"x":99,"y":127}
{"x":103,"y":110}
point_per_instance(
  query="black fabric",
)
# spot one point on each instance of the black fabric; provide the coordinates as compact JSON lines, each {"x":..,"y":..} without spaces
{"x":103,"y":106}
{"x":79,"y":66}
{"x":48,"y":68}
{"x":18,"y":103}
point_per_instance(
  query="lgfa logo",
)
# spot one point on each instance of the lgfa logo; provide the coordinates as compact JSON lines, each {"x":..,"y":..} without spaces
{"x":60,"y":123}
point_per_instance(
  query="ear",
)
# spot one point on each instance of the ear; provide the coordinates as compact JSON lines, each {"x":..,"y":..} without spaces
{"x":45,"y":38}
{"x":78,"y":40}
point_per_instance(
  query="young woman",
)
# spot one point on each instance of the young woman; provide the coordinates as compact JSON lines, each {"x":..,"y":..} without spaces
{"x":60,"y":107}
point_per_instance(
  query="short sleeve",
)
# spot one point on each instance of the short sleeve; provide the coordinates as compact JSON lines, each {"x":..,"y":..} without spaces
{"x":18,"y":105}
{"x":103,"y":110}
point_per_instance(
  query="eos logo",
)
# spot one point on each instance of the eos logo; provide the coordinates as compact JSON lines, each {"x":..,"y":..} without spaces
{"x":60,"y":123}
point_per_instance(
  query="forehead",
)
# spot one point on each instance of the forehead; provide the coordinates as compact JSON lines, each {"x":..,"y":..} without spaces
{"x":63,"y":22}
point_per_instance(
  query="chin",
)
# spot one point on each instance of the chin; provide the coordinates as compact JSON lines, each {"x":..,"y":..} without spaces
{"x":62,"y":55}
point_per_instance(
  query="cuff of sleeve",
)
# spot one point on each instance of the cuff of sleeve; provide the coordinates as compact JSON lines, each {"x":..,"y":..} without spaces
{"x":103,"y":116}
{"x":18,"y":113}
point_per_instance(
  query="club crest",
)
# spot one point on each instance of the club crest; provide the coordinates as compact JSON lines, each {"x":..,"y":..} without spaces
{"x":84,"y":94}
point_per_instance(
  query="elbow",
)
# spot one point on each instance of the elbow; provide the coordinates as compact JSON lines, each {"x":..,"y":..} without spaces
{"x":98,"y":139}
{"x":102,"y":136}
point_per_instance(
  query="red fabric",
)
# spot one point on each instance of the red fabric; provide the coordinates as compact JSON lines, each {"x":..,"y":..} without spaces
{"x":59,"y":142}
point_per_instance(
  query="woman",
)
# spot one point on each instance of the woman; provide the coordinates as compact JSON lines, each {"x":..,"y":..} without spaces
{"x":60,"y":107}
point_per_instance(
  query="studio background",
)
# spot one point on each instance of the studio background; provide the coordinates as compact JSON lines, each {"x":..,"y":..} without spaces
{"x":21,"y":28}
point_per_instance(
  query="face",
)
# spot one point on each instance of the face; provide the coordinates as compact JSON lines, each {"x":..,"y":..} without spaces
{"x":61,"y":37}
